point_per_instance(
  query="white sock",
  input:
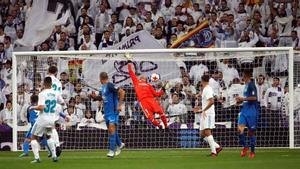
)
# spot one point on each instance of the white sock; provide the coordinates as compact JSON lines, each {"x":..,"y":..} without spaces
{"x":211,"y":143}
{"x":55,"y":137}
{"x":35,"y":149}
{"x":52,"y":147}
{"x":216,"y":144}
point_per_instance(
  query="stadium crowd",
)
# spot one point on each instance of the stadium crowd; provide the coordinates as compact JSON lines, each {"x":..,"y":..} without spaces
{"x":99,"y":24}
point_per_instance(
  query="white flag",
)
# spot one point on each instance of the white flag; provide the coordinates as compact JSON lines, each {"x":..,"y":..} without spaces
{"x":117,"y":68}
{"x":42,"y":19}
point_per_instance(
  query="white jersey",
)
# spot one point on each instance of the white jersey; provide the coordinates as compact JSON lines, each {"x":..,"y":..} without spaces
{"x":177,"y":109}
{"x":234,"y":91}
{"x":273,"y":98}
{"x":49,"y":98}
{"x":56,"y":84}
{"x":207,"y":94}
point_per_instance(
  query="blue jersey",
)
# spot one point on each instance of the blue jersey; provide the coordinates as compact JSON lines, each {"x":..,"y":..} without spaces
{"x":31,"y":115}
{"x":250,"y":107}
{"x":110,"y":98}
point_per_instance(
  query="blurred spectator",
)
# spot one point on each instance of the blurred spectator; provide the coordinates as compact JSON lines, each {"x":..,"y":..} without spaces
{"x":74,"y":119}
{"x":3,"y":55}
{"x":10,"y":28}
{"x":79,"y":104}
{"x":197,"y":71}
{"x":88,"y":119}
{"x":177,"y":111}
{"x":167,"y":10}
{"x":274,"y":95}
{"x":2,"y":34}
{"x":8,"y":47}
{"x":101,"y":20}
{"x":87,"y":43}
{"x":296,"y":41}
{"x":106,"y":41}
{"x":6,"y":117}
{"x":262,"y":87}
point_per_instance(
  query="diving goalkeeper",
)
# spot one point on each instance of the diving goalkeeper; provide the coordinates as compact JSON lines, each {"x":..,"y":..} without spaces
{"x":146,"y":96}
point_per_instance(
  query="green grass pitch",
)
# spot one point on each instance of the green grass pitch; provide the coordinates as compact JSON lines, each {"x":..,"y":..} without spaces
{"x":158,"y":159}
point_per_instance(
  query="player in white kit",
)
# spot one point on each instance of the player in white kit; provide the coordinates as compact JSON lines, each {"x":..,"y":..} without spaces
{"x":57,"y":87}
{"x":48,"y":100}
{"x":207,"y":116}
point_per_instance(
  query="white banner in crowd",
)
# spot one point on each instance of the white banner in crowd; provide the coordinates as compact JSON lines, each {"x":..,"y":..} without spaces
{"x":117,"y":69}
{"x":42,"y":20}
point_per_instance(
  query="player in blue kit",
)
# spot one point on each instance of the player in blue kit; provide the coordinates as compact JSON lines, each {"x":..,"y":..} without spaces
{"x":112,"y":99}
{"x":248,"y":115}
{"x":31,"y":117}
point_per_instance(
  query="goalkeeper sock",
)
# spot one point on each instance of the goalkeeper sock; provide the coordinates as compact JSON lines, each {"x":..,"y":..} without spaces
{"x":211,"y":143}
{"x":52,"y":146}
{"x":164,"y":119}
{"x":252,"y":141}
{"x":118,"y":140}
{"x":26,"y":147}
{"x":35,"y":149}
{"x":243,"y":140}
{"x":112,"y":141}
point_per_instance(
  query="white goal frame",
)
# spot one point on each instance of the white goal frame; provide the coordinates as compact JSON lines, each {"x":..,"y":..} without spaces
{"x":83,"y":54}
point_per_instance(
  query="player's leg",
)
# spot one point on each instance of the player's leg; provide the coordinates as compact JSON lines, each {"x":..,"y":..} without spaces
{"x":43,"y":141}
{"x":147,"y":109}
{"x":112,"y":139}
{"x":119,"y":143}
{"x":55,"y":137}
{"x":162,"y":115}
{"x":242,"y":122}
{"x":251,"y":134}
{"x":37,"y":131}
{"x":25,"y":148}
{"x":51,"y":143}
{"x":206,"y":124}
{"x":26,"y":143}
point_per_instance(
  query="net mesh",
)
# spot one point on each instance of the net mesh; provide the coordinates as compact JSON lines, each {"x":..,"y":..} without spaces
{"x":79,"y":75}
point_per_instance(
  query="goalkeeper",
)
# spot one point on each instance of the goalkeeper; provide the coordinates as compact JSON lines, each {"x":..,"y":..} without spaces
{"x":146,"y":96}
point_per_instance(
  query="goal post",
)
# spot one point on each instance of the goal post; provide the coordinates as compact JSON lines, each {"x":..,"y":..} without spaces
{"x":137,"y":132}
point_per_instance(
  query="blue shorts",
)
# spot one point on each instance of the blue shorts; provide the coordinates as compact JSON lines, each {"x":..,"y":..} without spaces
{"x":249,"y":121}
{"x":111,"y":119}
{"x":28,"y":134}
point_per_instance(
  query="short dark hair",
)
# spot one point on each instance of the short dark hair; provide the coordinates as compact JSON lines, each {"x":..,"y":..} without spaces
{"x":277,"y":78}
{"x":34,"y":98}
{"x":48,"y":81}
{"x":103,"y":76}
{"x":52,"y":69}
{"x":205,"y":78}
{"x":248,"y":73}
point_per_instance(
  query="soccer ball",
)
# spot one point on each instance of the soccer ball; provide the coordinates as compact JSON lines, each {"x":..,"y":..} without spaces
{"x":154,"y":77}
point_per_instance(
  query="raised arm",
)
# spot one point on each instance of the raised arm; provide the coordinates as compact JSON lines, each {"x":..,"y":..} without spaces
{"x":155,"y":93}
{"x":132,"y":74}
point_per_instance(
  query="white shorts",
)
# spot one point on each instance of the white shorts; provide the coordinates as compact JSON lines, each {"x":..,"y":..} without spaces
{"x":208,"y":122}
{"x":40,"y":130}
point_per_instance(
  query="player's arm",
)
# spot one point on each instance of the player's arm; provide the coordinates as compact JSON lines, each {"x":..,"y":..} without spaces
{"x":252,"y":94}
{"x":41,"y":103}
{"x":121,"y":94}
{"x":155,"y":93}
{"x":118,"y":91}
{"x":210,"y":103}
{"x":132,"y":74}
{"x":96,"y":97}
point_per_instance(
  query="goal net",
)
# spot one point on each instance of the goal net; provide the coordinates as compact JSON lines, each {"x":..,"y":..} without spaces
{"x":273,"y":72}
